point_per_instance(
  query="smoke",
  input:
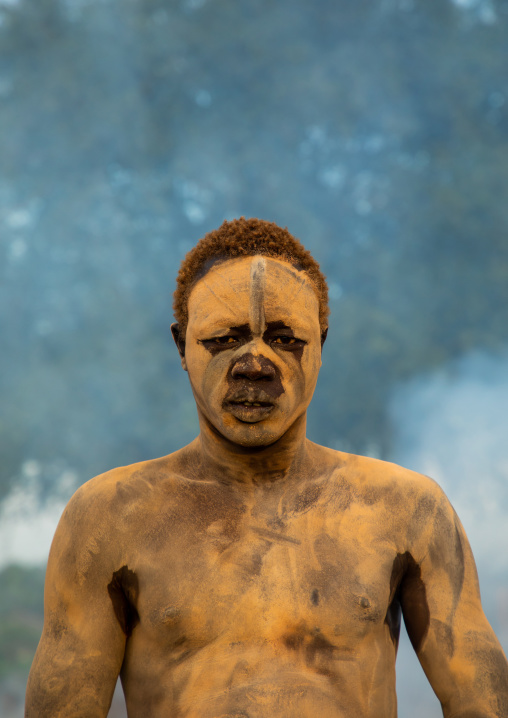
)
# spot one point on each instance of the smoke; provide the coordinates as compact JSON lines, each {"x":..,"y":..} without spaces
{"x":29,"y":514}
{"x":452,"y":425}
{"x":480,"y":11}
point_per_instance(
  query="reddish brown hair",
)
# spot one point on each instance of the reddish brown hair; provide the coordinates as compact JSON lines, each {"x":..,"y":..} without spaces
{"x":245,"y":238}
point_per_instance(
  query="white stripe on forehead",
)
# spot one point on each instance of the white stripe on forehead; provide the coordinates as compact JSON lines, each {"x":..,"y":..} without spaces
{"x":257,"y":294}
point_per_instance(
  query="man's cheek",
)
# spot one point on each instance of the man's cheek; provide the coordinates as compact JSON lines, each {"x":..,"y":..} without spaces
{"x":294,"y":386}
{"x":311,"y":364}
{"x":214,"y":372}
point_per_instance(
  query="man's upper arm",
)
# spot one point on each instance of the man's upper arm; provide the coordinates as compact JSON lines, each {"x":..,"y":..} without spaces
{"x":82,"y":645}
{"x":442,"y":611}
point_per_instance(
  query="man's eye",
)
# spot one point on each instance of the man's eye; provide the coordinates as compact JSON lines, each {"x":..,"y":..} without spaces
{"x":286,"y":341}
{"x":217,"y":344}
{"x":225,"y":340}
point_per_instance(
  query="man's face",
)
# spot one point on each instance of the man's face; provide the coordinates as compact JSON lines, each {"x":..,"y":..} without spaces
{"x":253,"y":348}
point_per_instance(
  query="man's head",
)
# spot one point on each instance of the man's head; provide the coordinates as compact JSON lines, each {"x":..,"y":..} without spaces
{"x":251,"y":306}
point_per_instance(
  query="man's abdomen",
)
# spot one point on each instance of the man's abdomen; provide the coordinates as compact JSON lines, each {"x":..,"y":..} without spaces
{"x":238,"y":681}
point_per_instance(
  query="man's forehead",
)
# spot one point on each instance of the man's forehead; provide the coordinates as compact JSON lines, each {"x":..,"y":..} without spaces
{"x":238,"y":273}
{"x":240,"y":285}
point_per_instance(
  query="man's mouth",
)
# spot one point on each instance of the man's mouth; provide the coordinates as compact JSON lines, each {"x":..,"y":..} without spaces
{"x":251,"y":403}
{"x":249,"y":411}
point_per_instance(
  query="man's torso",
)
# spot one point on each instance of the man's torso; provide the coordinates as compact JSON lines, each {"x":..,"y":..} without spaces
{"x":280,"y":600}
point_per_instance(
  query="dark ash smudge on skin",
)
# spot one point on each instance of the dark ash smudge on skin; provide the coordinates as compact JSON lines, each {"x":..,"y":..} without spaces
{"x":123,"y":591}
{"x":407,"y":592}
{"x":268,"y":384}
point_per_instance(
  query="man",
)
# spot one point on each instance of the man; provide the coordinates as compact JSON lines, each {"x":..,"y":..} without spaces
{"x":253,"y":573}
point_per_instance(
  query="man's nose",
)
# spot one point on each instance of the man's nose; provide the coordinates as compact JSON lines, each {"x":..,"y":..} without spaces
{"x":253,"y":367}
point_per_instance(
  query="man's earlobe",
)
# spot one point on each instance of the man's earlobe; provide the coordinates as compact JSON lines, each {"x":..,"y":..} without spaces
{"x":180,"y":343}
{"x":323,"y":336}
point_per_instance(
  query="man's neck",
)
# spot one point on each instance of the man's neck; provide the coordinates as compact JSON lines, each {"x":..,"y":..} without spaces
{"x":252,"y":466}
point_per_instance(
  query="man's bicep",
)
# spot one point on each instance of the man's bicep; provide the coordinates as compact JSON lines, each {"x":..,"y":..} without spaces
{"x":449,"y":631}
{"x":82,"y":644}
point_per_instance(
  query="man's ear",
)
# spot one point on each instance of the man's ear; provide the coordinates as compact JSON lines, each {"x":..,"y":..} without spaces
{"x":323,"y":336}
{"x":180,"y":343}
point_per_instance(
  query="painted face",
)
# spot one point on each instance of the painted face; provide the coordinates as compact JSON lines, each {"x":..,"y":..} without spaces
{"x":253,"y":347}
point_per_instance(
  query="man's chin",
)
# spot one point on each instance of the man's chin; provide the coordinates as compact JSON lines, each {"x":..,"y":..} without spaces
{"x":250,"y":434}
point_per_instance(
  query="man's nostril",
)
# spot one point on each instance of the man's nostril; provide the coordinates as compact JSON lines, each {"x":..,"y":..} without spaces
{"x":253,"y":367}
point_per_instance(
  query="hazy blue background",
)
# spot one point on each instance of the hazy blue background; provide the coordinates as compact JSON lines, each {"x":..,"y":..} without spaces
{"x":376,"y":131}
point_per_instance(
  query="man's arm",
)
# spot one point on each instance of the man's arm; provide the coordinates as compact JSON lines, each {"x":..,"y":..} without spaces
{"x":82,"y":645}
{"x":455,"y":644}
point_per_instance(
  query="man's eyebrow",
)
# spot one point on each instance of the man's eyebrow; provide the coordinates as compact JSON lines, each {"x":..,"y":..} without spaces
{"x":243,"y":330}
{"x":277,"y":326}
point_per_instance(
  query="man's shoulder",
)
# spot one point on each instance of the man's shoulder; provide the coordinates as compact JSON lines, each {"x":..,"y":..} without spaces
{"x":374,"y":479}
{"x":103,"y":519}
{"x":411,"y":507}
{"x":118,"y":491}
{"x":377,"y":472}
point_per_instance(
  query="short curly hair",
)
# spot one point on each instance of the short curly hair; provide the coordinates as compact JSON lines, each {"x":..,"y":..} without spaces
{"x":245,"y":238}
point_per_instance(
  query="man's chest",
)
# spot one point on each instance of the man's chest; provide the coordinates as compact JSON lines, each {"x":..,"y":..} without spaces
{"x":262,"y":573}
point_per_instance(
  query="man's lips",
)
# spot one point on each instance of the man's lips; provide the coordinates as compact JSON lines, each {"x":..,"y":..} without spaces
{"x":247,"y":410}
{"x":250,"y":402}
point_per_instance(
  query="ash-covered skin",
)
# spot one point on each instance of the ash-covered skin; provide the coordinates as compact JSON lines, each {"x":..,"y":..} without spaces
{"x":257,"y":294}
{"x":252,"y":348}
{"x":254,"y":573}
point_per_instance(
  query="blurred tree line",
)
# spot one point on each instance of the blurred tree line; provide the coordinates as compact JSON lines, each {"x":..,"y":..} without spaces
{"x":377,"y":132}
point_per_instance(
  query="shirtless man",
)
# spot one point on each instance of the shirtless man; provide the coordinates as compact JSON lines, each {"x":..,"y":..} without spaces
{"x":253,"y":573}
